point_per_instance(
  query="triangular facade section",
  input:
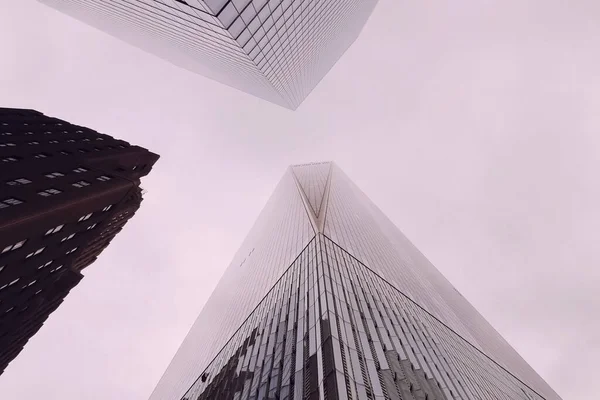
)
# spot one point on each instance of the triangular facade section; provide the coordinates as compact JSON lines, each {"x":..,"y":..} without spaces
{"x":312,"y":179}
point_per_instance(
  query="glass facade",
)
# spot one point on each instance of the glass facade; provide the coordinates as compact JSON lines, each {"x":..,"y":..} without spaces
{"x":326,"y":299}
{"x":277,"y":50}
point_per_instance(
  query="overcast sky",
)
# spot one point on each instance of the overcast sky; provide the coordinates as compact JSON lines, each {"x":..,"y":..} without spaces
{"x":473,"y":124}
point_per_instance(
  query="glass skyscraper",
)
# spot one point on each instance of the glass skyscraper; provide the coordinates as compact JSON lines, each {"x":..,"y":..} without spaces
{"x":327,"y":299}
{"x":277,"y":50}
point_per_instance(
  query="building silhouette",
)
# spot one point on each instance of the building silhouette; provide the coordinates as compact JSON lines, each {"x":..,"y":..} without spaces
{"x":327,"y":299}
{"x":277,"y":50}
{"x":65,"y":192}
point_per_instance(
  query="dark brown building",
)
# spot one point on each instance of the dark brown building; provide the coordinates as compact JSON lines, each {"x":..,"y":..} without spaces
{"x":65,"y":193}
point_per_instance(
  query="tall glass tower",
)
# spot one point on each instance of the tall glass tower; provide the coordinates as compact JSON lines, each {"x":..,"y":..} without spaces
{"x":326,"y":299}
{"x":277,"y":50}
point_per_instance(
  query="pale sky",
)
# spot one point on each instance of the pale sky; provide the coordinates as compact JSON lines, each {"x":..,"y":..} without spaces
{"x":474,"y":125}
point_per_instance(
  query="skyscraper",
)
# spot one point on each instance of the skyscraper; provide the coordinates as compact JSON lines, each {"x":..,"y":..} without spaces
{"x":277,"y":50}
{"x":327,"y":299}
{"x":65,"y":192}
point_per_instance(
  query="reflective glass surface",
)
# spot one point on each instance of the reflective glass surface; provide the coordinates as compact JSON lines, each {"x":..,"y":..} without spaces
{"x":327,"y":299}
{"x":277,"y":50}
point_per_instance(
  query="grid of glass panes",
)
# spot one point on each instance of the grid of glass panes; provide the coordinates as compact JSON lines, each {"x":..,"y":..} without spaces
{"x":332,"y":329}
{"x":274,"y":49}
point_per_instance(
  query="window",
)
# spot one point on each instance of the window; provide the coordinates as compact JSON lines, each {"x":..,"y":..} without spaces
{"x":84,"y":217}
{"x":35,"y":253}
{"x":6,"y":133}
{"x":19,"y":181}
{"x":49,"y":192}
{"x":10,"y":159}
{"x":41,"y":155}
{"x":80,"y":169}
{"x":104,"y":178}
{"x":53,"y":141}
{"x":32,"y":143}
{"x":78,"y":131}
{"x":7,"y":145}
{"x":92,"y":226}
{"x":107,"y":208}
{"x":57,"y":268}
{"x":53,"y":175}
{"x":71,"y":236}
{"x":71,"y":140}
{"x":81,"y":184}
{"x":53,"y":230}
{"x":30,"y":283}
{"x":86,"y":140}
{"x":99,"y":138}
{"x":45,"y":265}
{"x":2,"y":267}
{"x":71,"y":251}
{"x":14,"y":246}
{"x":83,"y":151}
{"x":11,"y":201}
{"x":64,"y":153}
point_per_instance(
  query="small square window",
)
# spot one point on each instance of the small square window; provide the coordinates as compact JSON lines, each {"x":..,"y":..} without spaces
{"x":12,"y":201}
{"x":71,"y":236}
{"x":80,"y":170}
{"x":41,"y":155}
{"x":35,"y":253}
{"x":49,"y":192}
{"x":14,"y":246}
{"x":107,"y":208}
{"x":71,"y":251}
{"x":45,"y":265}
{"x":30,"y":283}
{"x":53,"y":141}
{"x":53,"y":175}
{"x":19,"y":181}
{"x":81,"y":184}
{"x":10,"y":159}
{"x":104,"y":178}
{"x":91,"y":227}
{"x":57,"y":268}
{"x":53,"y":230}
{"x":85,"y":217}
{"x":86,"y":140}
{"x":65,"y":153}
{"x":32,"y":143}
